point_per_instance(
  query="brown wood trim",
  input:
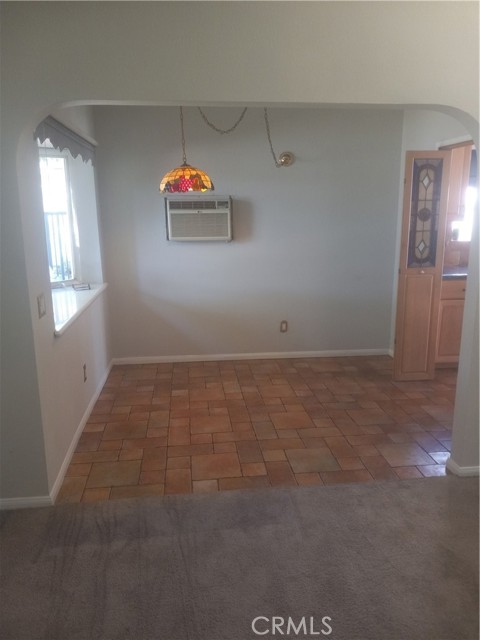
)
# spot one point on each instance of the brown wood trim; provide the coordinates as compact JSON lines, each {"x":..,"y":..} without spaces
{"x":447,"y":147}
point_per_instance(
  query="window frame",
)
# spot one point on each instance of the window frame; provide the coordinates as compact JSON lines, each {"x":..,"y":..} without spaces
{"x":45,"y":151}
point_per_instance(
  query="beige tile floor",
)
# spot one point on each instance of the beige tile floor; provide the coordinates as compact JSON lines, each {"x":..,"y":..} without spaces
{"x":212,"y":426}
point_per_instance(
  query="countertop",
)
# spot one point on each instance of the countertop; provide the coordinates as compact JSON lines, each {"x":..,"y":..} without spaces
{"x":454,"y":273}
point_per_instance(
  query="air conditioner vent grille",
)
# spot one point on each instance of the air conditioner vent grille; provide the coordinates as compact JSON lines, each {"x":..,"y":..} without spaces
{"x":195,"y":220}
{"x":197,"y":205}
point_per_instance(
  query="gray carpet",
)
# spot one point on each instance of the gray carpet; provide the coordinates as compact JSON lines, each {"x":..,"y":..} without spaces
{"x":386,"y":561}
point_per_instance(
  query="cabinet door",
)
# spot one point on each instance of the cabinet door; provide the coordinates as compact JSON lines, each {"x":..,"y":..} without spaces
{"x":449,"y":330}
{"x":421,"y":263}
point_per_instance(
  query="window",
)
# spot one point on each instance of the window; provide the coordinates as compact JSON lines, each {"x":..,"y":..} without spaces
{"x":60,"y":224}
{"x":72,"y":238}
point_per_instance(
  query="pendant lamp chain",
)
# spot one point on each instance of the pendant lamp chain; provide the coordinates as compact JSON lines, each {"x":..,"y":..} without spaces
{"x":183,"y":137}
{"x":267,"y":126}
{"x":217,"y":129}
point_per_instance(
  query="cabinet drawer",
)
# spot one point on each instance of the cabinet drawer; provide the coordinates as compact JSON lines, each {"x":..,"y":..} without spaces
{"x":453,"y":289}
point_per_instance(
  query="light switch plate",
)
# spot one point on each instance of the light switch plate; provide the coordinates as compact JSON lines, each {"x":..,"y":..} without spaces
{"x":42,"y":309}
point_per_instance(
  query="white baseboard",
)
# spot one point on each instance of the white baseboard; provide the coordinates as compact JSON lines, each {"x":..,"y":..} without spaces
{"x":73,"y":445}
{"x":457,"y":470}
{"x":251,"y":356}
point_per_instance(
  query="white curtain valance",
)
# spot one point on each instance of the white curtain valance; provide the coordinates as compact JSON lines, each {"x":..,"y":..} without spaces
{"x":63,"y":138}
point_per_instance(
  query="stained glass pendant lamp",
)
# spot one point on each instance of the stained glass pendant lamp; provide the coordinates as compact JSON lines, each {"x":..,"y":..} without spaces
{"x":185,"y":178}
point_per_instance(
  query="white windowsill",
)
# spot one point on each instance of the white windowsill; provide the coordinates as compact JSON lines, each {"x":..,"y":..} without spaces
{"x":69,"y":304}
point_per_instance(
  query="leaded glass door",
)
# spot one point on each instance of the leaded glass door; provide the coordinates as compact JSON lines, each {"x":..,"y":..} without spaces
{"x":421,"y":263}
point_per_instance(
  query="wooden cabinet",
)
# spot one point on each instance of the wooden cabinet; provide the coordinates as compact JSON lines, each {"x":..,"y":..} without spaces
{"x":457,"y":246}
{"x":450,"y":317}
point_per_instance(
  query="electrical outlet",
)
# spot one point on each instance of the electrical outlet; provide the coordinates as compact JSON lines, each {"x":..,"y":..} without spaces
{"x":283,"y":326}
{"x":84,"y":372}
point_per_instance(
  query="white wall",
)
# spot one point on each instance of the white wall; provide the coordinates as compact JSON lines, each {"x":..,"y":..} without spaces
{"x":192,"y":53}
{"x":313,"y":243}
{"x":84,"y":201}
{"x":64,"y":398}
{"x":78,"y":119}
{"x":427,"y":129}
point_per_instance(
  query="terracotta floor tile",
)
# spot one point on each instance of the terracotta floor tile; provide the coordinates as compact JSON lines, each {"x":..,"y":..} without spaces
{"x":281,"y":443}
{"x":109,"y":417}
{"x":210,"y":424}
{"x":274,"y":455}
{"x":400,"y":438}
{"x":190,"y":450}
{"x":358,"y":475}
{"x":249,"y":451}
{"x":441,"y":457}
{"x":94,"y":456}
{"x":224,"y":447}
{"x":340,"y":447}
{"x":130,"y":454}
{"x":214,"y":466}
{"x":205,"y":486}
{"x":375,"y":462}
{"x":79,"y":469}
{"x":369,"y":416}
{"x":179,"y":435}
{"x":157,"y":432}
{"x":239,"y":415}
{"x":233,"y":436}
{"x":254,"y":469}
{"x":280,"y":473}
{"x":291,"y":420}
{"x":404,"y":455}
{"x":207,"y":394}
{"x":96,"y":495}
{"x":88,"y":442}
{"x":71,"y":490}
{"x":94,"y":427}
{"x":114,"y":474}
{"x":439,"y":413}
{"x":349,"y":464}
{"x":201,"y":438}
{"x":386,"y":473}
{"x":110,"y":445}
{"x":368,"y":439}
{"x":405,"y":473}
{"x":251,"y":482}
{"x":314,"y":443}
{"x":276,"y":391}
{"x":428,"y":442}
{"x":242,"y":426}
{"x":365,"y":450}
{"x":305,"y":479}
{"x":432,"y":470}
{"x":159,"y":419}
{"x":152,"y":477}
{"x":289,"y":433}
{"x":123,"y":430}
{"x":144,"y":443}
{"x":162,"y":422}
{"x":307,"y":460}
{"x":181,"y":462}
{"x":265,"y":430}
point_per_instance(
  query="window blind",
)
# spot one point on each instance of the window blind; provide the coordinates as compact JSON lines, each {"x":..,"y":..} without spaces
{"x":63,"y":138}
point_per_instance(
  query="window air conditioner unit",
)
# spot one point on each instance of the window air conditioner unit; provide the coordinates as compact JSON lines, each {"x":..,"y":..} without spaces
{"x":199,"y":219}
